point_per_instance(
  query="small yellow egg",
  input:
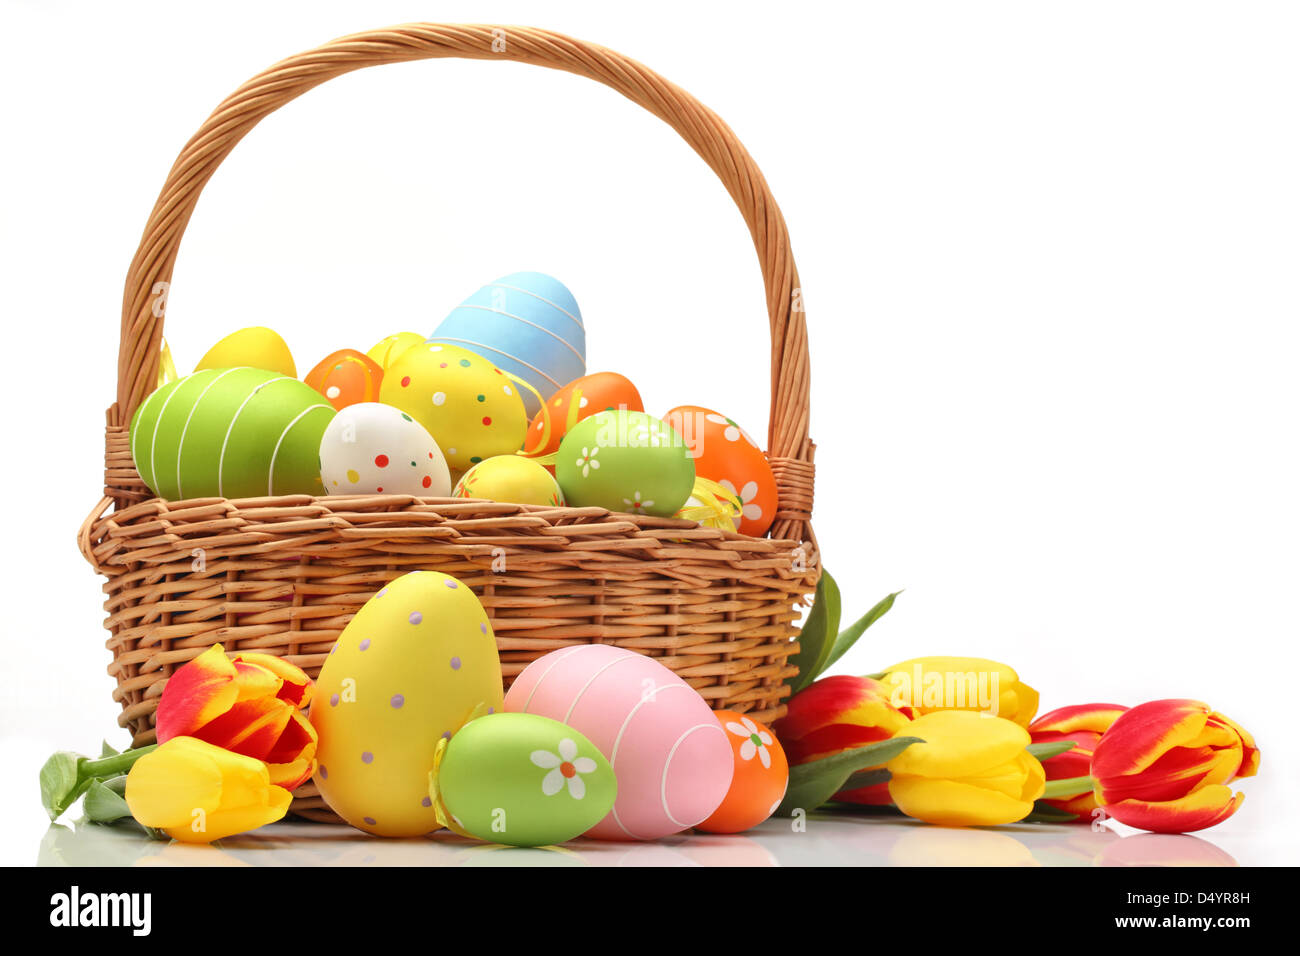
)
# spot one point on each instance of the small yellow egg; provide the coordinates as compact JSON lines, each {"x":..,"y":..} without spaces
{"x":510,"y":478}
{"x":256,"y":347}
{"x":389,"y":349}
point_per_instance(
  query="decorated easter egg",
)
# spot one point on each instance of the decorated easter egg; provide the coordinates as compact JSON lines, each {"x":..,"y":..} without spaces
{"x":669,"y":753}
{"x":232,"y":433}
{"x":526,"y":323}
{"x":346,"y":377}
{"x":759,"y":780}
{"x":372,"y":448}
{"x":256,"y":347}
{"x":413,"y":665}
{"x":581,"y":398}
{"x":472,"y":410}
{"x":510,"y":478}
{"x":625,"y":461}
{"x":723,"y":452}
{"x":387,"y":350}
{"x":522,"y":779}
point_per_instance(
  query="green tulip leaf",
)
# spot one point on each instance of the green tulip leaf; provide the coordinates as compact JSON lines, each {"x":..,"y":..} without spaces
{"x":1047,"y":751}
{"x":104,"y":804}
{"x":849,"y":636}
{"x":1067,"y":787}
{"x":66,"y":775}
{"x":866,"y":778}
{"x":815,"y":782}
{"x":61,"y":782}
{"x":107,"y":750}
{"x":815,"y":641}
{"x":878,"y":675}
{"x":1046,"y":813}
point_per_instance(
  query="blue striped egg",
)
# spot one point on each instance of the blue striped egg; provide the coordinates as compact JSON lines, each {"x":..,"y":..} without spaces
{"x":526,"y":323}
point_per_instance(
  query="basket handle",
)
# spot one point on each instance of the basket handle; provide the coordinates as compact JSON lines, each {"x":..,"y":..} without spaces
{"x":143,"y":302}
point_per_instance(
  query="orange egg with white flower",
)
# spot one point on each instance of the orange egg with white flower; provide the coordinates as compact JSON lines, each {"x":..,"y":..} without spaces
{"x":725,"y":453}
{"x":759,"y":780}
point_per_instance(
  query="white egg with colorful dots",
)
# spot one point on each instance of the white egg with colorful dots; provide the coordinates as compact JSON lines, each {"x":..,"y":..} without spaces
{"x":415,"y":663}
{"x":372,"y":448}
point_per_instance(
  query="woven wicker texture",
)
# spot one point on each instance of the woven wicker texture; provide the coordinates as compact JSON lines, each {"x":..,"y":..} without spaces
{"x":284,"y":575}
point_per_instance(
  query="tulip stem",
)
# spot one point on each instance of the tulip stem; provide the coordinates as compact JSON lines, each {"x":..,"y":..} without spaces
{"x":67,"y":776}
{"x":1067,"y":787}
{"x":117,"y":764}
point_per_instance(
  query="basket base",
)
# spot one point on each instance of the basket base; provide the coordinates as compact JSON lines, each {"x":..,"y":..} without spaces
{"x":285,"y":575}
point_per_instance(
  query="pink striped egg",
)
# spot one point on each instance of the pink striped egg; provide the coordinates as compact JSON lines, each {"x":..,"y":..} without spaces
{"x":670,"y":755}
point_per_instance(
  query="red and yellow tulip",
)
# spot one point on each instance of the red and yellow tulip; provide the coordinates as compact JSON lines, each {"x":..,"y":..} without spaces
{"x":1165,"y":765}
{"x":836,"y":714}
{"x":198,"y":792}
{"x":1082,"y":725}
{"x":930,"y":684}
{"x":969,"y":770}
{"x":247,"y":703}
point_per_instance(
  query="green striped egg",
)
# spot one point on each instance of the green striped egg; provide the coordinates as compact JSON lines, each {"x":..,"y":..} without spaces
{"x":230,"y":433}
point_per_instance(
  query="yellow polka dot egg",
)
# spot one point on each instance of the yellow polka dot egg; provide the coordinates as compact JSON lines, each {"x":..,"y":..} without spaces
{"x":412,"y":666}
{"x":471,"y":408}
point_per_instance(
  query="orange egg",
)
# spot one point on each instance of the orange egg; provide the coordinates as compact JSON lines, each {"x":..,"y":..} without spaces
{"x":596,"y":393}
{"x":759,"y":781}
{"x":724,"y":452}
{"x":346,"y":378}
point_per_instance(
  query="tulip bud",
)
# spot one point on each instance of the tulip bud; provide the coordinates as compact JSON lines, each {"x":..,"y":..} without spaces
{"x":1165,"y":765}
{"x":836,"y":714}
{"x":969,"y":770}
{"x":249,"y":704}
{"x":1082,"y":725}
{"x":198,"y":792}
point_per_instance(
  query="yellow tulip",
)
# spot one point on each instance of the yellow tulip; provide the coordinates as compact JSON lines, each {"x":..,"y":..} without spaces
{"x":198,"y":792}
{"x":929,"y":684}
{"x":971,"y":770}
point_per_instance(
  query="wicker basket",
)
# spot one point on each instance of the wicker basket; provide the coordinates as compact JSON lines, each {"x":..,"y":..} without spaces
{"x":284,"y":575}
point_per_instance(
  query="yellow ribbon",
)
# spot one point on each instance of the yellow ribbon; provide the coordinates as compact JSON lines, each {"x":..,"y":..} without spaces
{"x":717,"y":506}
{"x":546,"y":415}
{"x":575,"y":406}
{"x":166,"y":365}
{"x":440,"y":812}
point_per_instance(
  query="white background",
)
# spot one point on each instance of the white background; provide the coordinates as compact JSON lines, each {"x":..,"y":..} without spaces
{"x":1049,"y":255}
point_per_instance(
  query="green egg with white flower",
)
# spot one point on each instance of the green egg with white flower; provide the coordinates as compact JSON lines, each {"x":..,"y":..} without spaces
{"x":625,"y":461}
{"x":522,"y":780}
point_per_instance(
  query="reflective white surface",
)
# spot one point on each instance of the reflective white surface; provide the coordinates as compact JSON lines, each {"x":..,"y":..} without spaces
{"x":827,"y":840}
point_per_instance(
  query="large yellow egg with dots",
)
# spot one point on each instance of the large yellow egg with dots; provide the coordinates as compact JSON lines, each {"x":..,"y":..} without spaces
{"x":412,"y":666}
{"x":471,"y":408}
{"x":511,"y":478}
